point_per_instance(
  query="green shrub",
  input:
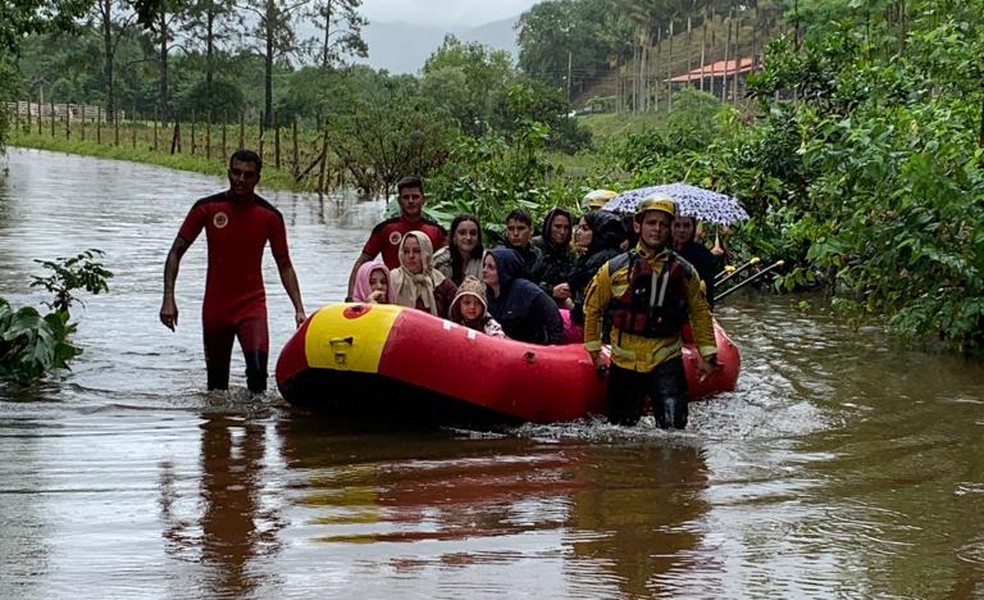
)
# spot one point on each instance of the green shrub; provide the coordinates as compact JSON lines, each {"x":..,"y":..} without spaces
{"x":32,"y":344}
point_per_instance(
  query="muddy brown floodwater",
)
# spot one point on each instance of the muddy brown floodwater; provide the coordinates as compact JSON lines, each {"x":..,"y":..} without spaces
{"x":844,"y":466}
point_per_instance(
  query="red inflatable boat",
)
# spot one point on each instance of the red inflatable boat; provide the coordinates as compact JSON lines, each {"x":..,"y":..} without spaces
{"x":382,"y":361}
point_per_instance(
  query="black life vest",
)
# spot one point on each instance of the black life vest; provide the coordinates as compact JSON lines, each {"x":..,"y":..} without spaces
{"x":652,"y":306}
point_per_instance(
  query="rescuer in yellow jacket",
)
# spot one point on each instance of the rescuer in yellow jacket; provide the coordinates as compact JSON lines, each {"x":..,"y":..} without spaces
{"x":648,"y":294}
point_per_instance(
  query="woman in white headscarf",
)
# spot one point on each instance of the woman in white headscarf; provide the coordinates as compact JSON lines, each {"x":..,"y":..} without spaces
{"x":416,"y":283}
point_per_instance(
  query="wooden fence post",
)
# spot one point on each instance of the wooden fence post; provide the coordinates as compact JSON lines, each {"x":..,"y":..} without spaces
{"x":225,"y":124}
{"x":176,"y":137}
{"x":68,"y":122}
{"x":157,"y":117}
{"x":99,"y":124}
{"x":242,"y":129}
{"x":193,"y":118}
{"x":324,"y":161}
{"x":133,"y":129}
{"x":259,"y":143}
{"x":83,"y":122}
{"x":208,"y":136}
{"x":116,"y":127}
{"x":296,"y":152}
{"x":276,"y":145}
{"x":52,"y":119}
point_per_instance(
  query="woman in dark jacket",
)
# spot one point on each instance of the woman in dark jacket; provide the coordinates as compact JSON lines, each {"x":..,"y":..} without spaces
{"x":599,"y":236}
{"x":525,"y":312}
{"x":686,"y":245}
{"x":558,"y":255}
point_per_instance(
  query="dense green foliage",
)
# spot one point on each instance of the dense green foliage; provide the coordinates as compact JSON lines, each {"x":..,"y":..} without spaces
{"x":19,"y":18}
{"x":862,"y":168}
{"x":32,"y":344}
{"x":490,"y":176}
{"x":577,"y":44}
{"x":858,"y":150}
{"x":374,"y":127}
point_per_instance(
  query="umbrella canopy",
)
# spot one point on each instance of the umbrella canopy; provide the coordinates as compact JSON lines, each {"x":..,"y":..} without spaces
{"x":692,"y":201}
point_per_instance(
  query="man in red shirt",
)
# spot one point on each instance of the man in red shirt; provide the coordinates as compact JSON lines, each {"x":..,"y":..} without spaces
{"x":238,"y":224}
{"x":386,"y":236}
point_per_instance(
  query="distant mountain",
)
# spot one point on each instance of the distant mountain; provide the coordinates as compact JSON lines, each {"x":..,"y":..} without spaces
{"x":403,"y":47}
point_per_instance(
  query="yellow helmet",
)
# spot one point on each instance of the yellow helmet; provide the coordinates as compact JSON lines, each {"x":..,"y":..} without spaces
{"x":596,"y":199}
{"x":660,"y":203}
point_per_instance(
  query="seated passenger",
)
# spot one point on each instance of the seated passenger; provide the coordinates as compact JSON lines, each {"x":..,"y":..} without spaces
{"x":558,"y":255}
{"x":372,"y":283}
{"x":463,"y":254}
{"x":686,"y":245}
{"x":519,"y":230}
{"x":598,"y":237}
{"x":470,"y":308}
{"x":525,"y":312}
{"x":415,"y":283}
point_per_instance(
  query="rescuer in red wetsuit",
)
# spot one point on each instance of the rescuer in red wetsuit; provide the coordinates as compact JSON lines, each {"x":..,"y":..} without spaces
{"x":386,"y":236}
{"x":238,"y":224}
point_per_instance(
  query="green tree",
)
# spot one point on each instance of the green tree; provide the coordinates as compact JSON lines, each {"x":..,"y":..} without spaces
{"x":19,"y":18}
{"x":23,"y":17}
{"x":274,"y":38}
{"x":216,"y":100}
{"x":307,"y":96}
{"x":113,"y":19}
{"x":529,"y":101}
{"x":209,"y":26}
{"x":341,"y":26}
{"x":382,"y":128}
{"x":563,"y":42}
{"x":464,"y":78}
{"x":159,"y":17}
{"x":67,"y":64}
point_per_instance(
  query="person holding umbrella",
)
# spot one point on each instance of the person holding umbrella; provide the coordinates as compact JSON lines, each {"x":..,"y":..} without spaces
{"x":650,"y":293}
{"x":697,"y":254}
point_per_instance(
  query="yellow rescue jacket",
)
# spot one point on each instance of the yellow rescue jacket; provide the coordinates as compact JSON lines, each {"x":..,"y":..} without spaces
{"x":635,"y":352}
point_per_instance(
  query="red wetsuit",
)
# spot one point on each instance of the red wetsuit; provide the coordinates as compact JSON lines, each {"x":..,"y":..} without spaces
{"x":235,"y":300}
{"x":385,"y":238}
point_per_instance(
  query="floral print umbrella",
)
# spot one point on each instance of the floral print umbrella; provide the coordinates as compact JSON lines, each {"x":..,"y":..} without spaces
{"x":692,"y":201}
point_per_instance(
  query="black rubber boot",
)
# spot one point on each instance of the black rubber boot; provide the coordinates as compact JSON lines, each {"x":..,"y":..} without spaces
{"x":626,"y":395}
{"x":671,"y":413}
{"x":670,"y":397}
{"x":218,"y":376}
{"x":256,"y":371}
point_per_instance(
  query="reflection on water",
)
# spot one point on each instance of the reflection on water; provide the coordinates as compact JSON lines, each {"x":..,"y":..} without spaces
{"x":610,"y":520}
{"x":228,"y":524}
{"x":638,"y":519}
{"x":843,"y":466}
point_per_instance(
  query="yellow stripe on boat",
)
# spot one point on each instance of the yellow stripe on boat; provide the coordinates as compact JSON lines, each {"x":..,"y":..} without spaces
{"x":349,"y":337}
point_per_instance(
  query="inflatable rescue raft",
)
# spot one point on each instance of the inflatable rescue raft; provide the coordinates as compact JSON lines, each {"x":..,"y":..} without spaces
{"x":384,"y":362}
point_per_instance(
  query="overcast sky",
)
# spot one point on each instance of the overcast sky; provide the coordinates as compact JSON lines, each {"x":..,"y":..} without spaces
{"x":444,"y":12}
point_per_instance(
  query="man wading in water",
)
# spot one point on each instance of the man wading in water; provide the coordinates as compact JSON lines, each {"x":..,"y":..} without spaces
{"x":651,"y":292}
{"x":238,"y":224}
